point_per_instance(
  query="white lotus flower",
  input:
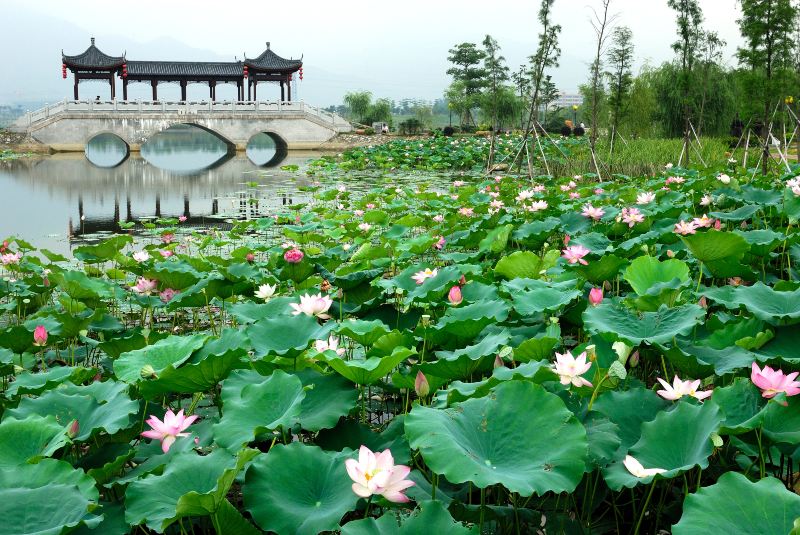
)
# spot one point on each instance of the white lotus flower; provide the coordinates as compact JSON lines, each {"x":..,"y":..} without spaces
{"x":636,"y":468}
{"x":313,"y":305}
{"x":265,"y":291}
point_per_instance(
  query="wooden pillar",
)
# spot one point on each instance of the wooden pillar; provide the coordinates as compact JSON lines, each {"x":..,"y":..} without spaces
{"x":113,"y":82}
{"x":158,"y":205}
{"x":128,"y":212}
{"x":255,"y":89}
{"x":183,"y":90}
{"x":186,"y":212}
{"x":124,"y":89}
{"x":249,"y":89}
{"x":282,"y":94}
{"x":154,"y":84}
{"x":76,"y":86}
{"x":210,"y":90}
{"x":289,"y":88}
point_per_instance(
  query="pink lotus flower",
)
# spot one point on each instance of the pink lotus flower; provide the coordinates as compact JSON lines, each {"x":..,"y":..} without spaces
{"x":10,"y":258}
{"x":331,"y":344}
{"x":313,"y":305}
{"x":168,"y":430}
{"x":538,"y":188}
{"x":679,"y":388}
{"x":141,"y":256}
{"x":364,"y":227}
{"x":167,"y":295}
{"x":468,"y":212}
{"x":370,"y":206}
{"x":574,"y":195}
{"x":773,"y":382}
{"x":684,"y":229}
{"x":182,"y":218}
{"x":421,"y":385}
{"x":293,"y":256}
{"x":703,"y":222}
{"x":458,"y":183}
{"x":571,"y":368}
{"x":40,"y":336}
{"x":438,"y":218}
{"x":598,"y":191}
{"x":167,"y":238}
{"x":250,"y":258}
{"x":377,"y":474}
{"x":537,"y":206}
{"x":575,"y":253}
{"x":165,"y":253}
{"x":144,"y":286}
{"x":596,"y":296}
{"x":524,"y":195}
{"x":454,"y":296}
{"x":422,"y":276}
{"x":636,"y":468}
{"x":645,"y":198}
{"x":358,"y":213}
{"x":439,"y":245}
{"x":675,"y":180}
{"x":631,"y":216}
{"x":592,"y":212}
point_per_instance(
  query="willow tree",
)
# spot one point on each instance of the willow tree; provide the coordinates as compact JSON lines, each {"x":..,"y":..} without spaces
{"x":689,"y":20}
{"x":358,"y":103}
{"x":766,"y":27}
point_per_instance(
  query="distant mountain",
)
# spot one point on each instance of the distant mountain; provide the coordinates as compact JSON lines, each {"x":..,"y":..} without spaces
{"x":30,"y":65}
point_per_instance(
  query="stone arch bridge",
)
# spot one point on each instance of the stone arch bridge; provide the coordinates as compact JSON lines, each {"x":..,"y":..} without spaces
{"x":69,"y":125}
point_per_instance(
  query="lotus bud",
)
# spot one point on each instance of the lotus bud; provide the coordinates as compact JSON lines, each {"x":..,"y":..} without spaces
{"x":293,"y":256}
{"x":553,"y":320}
{"x":596,"y":296}
{"x":74,"y":429}
{"x":454,"y":296}
{"x":421,"y":385}
{"x":40,"y":336}
{"x":644,"y":248}
{"x":634,"y":360}
{"x":622,"y":350}
{"x":744,"y":225}
{"x":702,"y":302}
{"x":498,"y":361}
{"x":250,"y":258}
{"x":462,"y":281}
{"x":426,"y":320}
{"x":670,"y":253}
{"x":325,"y":285}
{"x":718,"y":224}
{"x":148,"y":372}
{"x":566,"y":239}
{"x":591,"y":353}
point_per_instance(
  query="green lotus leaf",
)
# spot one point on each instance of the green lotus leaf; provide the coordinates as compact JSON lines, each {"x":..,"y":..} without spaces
{"x":536,"y":372}
{"x":782,"y":346}
{"x":230,"y":520}
{"x":250,"y":312}
{"x":203,"y":370}
{"x":524,"y":265}
{"x":176,"y":275}
{"x":698,"y":360}
{"x":544,"y":297}
{"x":466,"y":322}
{"x":94,"y":412}
{"x":535,"y":349}
{"x":285,"y":336}
{"x":26,"y":440}
{"x":298,"y":490}
{"x":433,"y":289}
{"x":740,"y":214}
{"x":776,"y":308}
{"x":675,"y":441}
{"x":791,"y":205}
{"x":720,"y":252}
{"x":734,"y":504}
{"x":352,"y":434}
{"x":171,"y":351}
{"x":604,"y":439}
{"x":762,"y":241}
{"x":603,"y":269}
{"x":656,"y":327}
{"x":47,"y":498}
{"x":191,"y":485}
{"x":103,"y":251}
{"x":782,"y":424}
{"x":535,"y":233}
{"x":629,"y":410}
{"x":365,"y":372}
{"x":81,"y":287}
{"x":328,"y":398}
{"x":496,"y":240}
{"x":431,"y":517}
{"x":365,"y":333}
{"x":464,"y":362}
{"x":490,"y":441}
{"x":741,"y":404}
{"x":650,"y":276}
{"x":254,"y":404}
{"x":36,"y":383}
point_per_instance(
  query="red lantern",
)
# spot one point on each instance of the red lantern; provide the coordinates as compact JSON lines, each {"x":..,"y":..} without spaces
{"x":64,"y":71}
{"x":245,"y":71}
{"x":300,"y":73}
{"x":124,"y":70}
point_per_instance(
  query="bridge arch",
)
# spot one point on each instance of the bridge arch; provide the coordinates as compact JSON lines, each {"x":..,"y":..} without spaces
{"x":107,"y":149}
{"x":166,"y":125}
{"x":266,"y":149}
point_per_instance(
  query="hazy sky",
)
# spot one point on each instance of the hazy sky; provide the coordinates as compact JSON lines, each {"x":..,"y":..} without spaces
{"x":395,"y":49}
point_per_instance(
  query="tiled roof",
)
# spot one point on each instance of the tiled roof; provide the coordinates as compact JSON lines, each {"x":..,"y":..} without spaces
{"x":185,"y":68}
{"x":93,"y":57}
{"x":270,"y":60}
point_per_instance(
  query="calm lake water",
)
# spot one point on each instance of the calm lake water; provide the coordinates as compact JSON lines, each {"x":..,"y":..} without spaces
{"x":63,"y":200}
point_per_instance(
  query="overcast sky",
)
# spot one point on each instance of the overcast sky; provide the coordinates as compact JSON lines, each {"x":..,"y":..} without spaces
{"x":395,"y":49}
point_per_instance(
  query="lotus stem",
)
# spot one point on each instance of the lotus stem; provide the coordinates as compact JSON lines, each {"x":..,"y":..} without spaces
{"x":644,"y":508}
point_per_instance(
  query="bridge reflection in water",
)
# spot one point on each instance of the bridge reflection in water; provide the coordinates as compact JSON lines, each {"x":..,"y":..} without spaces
{"x":61,"y":200}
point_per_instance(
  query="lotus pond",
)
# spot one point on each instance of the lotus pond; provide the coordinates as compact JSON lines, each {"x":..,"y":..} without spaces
{"x":496,"y":356}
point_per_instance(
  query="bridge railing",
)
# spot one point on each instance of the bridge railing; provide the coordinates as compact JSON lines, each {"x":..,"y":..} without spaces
{"x":179,"y":107}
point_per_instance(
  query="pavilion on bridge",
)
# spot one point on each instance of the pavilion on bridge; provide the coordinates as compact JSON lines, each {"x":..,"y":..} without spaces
{"x":93,"y":64}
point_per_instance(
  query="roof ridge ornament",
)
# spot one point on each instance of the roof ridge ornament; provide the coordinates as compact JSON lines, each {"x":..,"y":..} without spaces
{"x":92,"y":41}
{"x":267,"y":45}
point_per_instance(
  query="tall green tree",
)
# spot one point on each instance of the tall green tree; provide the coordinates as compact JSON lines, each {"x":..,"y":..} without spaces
{"x":358,"y":103}
{"x":468,"y":72}
{"x":620,"y":76}
{"x":494,"y":66}
{"x":600,"y":24}
{"x":767,"y":28}
{"x":521,"y":78}
{"x":689,"y":20}
{"x":710,"y":56}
